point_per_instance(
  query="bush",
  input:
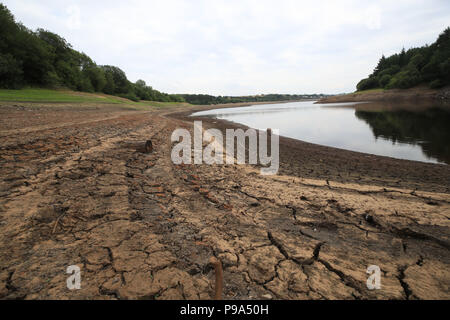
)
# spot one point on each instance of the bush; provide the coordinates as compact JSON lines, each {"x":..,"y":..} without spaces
{"x":404,"y":80}
{"x":385,"y":80}
{"x":85,"y":85}
{"x":52,"y":80}
{"x":366,"y":84}
{"x":129,"y":96}
{"x":11,"y":73}
{"x":436,"y":84}
{"x":444,"y":69}
{"x":390,"y":71}
{"x":417,"y":61}
{"x":96,"y":77}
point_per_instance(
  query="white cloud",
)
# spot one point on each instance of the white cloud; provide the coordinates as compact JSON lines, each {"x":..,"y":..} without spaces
{"x":373,"y":17}
{"x":74,"y":17}
{"x":240,"y":47}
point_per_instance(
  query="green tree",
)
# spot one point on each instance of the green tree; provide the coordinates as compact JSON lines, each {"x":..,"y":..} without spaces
{"x":121,"y":83}
{"x":367,"y":84}
{"x":11,"y":73}
{"x":96,"y":76}
{"x":427,"y":64}
{"x":385,"y":79}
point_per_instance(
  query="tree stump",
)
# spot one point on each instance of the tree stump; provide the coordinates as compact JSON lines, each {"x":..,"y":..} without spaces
{"x":141,"y":147}
{"x":148,"y":147}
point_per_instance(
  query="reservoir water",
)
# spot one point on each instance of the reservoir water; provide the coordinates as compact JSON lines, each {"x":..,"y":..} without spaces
{"x":420,"y":132}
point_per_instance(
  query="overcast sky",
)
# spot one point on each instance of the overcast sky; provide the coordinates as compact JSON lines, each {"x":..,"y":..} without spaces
{"x":240,"y":47}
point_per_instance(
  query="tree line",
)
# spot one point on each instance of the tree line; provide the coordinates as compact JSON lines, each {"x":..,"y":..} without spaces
{"x":44,"y":59}
{"x":428,"y":65}
{"x":205,"y":99}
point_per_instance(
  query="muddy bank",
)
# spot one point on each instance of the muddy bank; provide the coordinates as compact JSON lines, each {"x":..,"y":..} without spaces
{"x":303,"y":159}
{"x":394,"y":95}
{"x":73,"y":192}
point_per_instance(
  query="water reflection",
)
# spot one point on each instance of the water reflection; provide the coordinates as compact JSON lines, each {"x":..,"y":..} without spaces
{"x":415,"y":132}
{"x":429,"y":129}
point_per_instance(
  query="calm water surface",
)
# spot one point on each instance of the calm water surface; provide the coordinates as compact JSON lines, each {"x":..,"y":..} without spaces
{"x":419,"y":133}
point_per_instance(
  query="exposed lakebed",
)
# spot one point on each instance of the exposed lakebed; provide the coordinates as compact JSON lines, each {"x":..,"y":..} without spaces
{"x":419,"y":132}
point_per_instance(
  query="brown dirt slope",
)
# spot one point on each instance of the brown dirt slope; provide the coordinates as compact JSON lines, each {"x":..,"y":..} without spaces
{"x":405,"y":95}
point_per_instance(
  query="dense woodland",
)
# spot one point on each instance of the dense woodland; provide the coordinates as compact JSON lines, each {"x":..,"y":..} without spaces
{"x":428,"y":65}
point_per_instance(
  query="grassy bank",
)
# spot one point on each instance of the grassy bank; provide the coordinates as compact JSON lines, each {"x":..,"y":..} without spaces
{"x":62,"y":96}
{"x":37,"y":95}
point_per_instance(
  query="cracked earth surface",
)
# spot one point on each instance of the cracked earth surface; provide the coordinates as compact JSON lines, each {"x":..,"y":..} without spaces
{"x":74,"y":191}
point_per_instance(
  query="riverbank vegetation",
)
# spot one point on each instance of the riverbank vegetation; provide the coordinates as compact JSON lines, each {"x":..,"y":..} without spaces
{"x":428,"y":65}
{"x":59,"y":96}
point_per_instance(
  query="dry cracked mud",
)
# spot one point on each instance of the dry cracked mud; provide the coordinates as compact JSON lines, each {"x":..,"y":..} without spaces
{"x":74,"y":191}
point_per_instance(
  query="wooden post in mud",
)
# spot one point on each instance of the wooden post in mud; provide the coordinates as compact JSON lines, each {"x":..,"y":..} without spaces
{"x":143,"y":148}
{"x":148,"y":146}
{"x":219,"y":277}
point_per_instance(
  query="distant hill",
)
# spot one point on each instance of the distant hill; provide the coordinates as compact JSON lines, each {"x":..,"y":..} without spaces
{"x":428,"y":65}
{"x":208,"y":99}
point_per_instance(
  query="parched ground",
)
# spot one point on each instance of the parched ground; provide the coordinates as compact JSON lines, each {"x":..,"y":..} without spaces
{"x":74,"y":191}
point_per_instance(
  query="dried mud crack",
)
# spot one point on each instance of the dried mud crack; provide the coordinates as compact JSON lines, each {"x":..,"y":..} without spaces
{"x":76,"y":190}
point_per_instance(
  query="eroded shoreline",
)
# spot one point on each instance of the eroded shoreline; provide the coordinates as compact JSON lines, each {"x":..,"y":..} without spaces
{"x":304,"y":159}
{"x":141,"y":227}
